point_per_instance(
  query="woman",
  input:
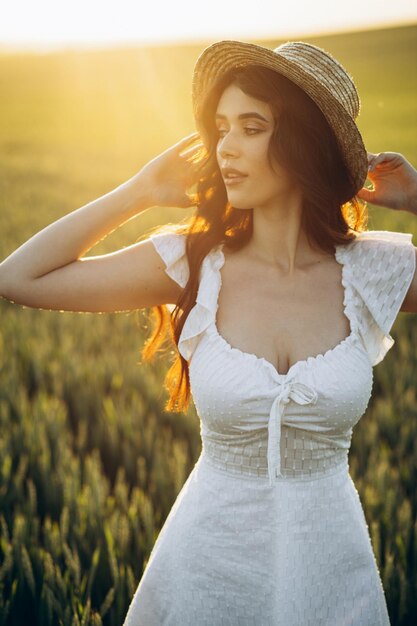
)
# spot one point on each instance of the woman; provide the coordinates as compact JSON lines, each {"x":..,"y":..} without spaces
{"x":283,"y":306}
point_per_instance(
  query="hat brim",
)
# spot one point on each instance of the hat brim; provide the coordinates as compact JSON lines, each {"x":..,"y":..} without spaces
{"x":222,"y":56}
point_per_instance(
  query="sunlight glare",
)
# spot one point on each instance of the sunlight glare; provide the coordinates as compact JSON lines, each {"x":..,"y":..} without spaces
{"x":89,"y":22}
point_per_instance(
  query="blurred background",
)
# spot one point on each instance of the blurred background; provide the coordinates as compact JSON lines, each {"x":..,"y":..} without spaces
{"x":90,"y":462}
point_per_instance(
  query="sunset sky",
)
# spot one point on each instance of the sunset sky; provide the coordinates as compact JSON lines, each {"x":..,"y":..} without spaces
{"x":46,"y":24}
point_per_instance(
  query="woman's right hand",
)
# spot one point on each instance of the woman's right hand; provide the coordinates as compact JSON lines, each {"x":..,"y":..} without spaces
{"x":166,"y":178}
{"x":50,"y":271}
{"x":394,"y":182}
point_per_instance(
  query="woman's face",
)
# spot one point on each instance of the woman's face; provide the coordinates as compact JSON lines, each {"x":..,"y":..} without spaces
{"x":245,"y":126}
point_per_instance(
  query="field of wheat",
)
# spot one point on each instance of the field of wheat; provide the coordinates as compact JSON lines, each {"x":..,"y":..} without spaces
{"x":90,"y":463}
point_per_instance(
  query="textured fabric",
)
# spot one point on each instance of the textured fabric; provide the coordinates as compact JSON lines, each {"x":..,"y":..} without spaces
{"x":268,"y":529}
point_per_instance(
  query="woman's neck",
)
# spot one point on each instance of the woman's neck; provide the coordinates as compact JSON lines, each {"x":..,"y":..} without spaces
{"x":279,"y":239}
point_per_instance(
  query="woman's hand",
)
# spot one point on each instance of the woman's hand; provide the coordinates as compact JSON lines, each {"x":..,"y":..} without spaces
{"x":50,"y":270}
{"x":394,"y":182}
{"x":167,"y":177}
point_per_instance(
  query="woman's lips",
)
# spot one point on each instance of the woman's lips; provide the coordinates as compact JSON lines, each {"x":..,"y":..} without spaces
{"x":232,"y":176}
{"x":234,"y":180}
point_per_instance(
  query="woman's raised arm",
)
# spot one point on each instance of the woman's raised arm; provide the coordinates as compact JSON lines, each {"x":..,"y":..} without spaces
{"x":48,"y":270}
{"x":395,"y":187}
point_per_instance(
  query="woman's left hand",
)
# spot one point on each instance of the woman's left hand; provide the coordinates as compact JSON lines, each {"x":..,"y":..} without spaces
{"x":394,"y":180}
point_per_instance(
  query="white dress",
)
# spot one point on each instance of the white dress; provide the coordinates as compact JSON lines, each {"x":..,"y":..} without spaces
{"x":268,"y":529}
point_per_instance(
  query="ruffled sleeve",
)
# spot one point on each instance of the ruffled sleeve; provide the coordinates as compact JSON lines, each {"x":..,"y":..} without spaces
{"x":204,"y":311}
{"x":171,"y":248}
{"x":378,"y":269}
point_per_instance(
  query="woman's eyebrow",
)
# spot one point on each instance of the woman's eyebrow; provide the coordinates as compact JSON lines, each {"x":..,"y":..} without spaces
{"x":244,"y":116}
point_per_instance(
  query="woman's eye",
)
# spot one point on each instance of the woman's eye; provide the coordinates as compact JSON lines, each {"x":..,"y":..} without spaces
{"x":248,"y":130}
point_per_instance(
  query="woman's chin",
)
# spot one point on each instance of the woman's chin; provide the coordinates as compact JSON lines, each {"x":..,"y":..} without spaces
{"x":236,"y":204}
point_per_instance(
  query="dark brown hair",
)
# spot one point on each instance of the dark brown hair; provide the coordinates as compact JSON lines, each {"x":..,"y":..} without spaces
{"x":304,"y":144}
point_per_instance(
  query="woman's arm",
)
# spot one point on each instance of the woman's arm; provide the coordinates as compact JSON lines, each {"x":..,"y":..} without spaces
{"x":48,"y":272}
{"x":395,"y":186}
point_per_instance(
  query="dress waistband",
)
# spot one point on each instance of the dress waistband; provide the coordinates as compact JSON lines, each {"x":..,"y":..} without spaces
{"x":302,"y":456}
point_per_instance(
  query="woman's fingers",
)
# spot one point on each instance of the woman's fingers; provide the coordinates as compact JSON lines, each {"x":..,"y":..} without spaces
{"x":375,"y":159}
{"x":175,"y":150}
{"x":371,"y":157}
{"x":186,"y":142}
{"x":366,"y":194}
{"x":190,"y":151}
{"x":184,"y":149}
{"x":393,"y":180}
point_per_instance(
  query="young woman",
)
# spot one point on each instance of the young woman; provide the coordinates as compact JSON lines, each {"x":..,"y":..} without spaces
{"x":283,"y":305}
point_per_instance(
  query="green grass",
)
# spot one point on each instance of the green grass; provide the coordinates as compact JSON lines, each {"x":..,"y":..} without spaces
{"x":90,"y":464}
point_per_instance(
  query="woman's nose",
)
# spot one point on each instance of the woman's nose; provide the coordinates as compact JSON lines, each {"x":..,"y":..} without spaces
{"x":228,"y":146}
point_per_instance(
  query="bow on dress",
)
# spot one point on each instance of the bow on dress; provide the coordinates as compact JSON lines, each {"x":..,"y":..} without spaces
{"x":291,"y":390}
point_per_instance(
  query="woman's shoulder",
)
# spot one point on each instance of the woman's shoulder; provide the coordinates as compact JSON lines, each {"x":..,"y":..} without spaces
{"x":379,"y":266}
{"x":170,"y":243}
{"x":371,"y":246}
{"x":380,"y":252}
{"x":382,"y":236}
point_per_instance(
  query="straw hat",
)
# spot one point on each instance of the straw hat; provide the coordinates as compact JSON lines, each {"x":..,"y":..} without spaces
{"x":313,"y":69}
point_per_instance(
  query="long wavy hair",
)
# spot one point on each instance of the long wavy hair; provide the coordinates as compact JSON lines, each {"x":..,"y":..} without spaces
{"x":306,"y":147}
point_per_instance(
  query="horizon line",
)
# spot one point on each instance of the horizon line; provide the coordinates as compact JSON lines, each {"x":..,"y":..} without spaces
{"x":51,"y":48}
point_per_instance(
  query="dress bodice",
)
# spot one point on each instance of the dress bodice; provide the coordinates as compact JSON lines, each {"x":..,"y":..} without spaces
{"x":257,"y":422}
